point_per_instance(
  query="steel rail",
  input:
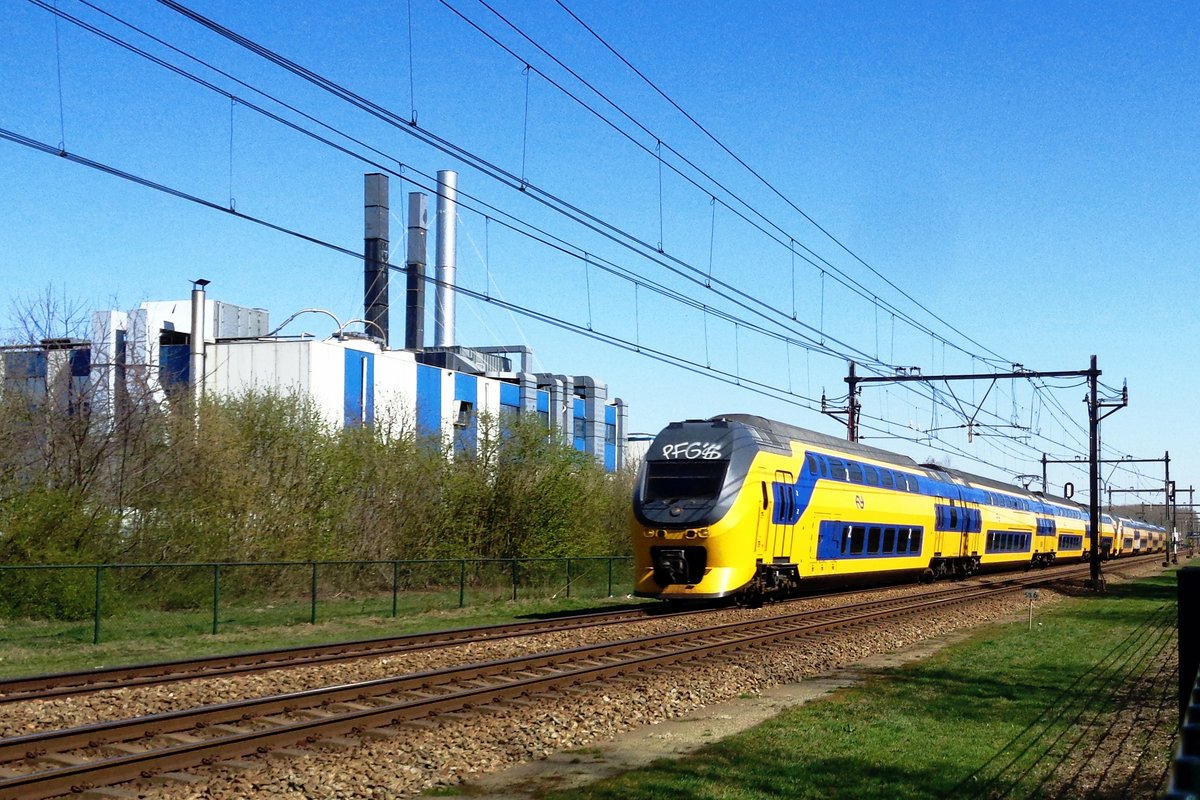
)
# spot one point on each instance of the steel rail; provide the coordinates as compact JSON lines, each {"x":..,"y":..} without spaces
{"x":62,"y":684}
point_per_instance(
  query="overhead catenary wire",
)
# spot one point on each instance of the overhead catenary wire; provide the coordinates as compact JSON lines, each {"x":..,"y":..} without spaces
{"x":636,"y":346}
{"x":764,"y":181}
{"x":551,"y":200}
{"x":738,"y":297}
{"x":737,"y":321}
{"x":780,"y":235}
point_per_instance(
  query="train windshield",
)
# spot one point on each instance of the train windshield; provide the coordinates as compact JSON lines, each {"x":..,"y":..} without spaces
{"x":668,"y":481}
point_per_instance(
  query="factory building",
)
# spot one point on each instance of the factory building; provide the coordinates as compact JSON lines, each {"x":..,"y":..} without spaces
{"x":352,"y":378}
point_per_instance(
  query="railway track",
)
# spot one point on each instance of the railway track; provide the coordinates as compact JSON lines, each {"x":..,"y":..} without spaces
{"x":85,"y":681}
{"x":66,"y":684}
{"x":60,"y":762}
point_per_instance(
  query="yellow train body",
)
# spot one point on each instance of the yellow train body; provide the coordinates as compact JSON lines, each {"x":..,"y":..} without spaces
{"x":744,"y":505}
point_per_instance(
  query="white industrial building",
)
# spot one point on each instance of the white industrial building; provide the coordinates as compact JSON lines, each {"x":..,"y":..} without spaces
{"x":208,"y":346}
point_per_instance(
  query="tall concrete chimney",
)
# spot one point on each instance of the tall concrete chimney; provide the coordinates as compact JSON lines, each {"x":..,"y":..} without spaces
{"x":447,"y":211}
{"x":375,"y":255}
{"x":418,"y":234}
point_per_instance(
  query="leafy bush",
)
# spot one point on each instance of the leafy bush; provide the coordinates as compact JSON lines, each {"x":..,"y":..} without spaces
{"x":262,"y":477}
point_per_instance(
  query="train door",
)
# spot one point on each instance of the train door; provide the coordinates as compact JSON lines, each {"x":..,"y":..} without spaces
{"x":949,"y":542}
{"x":783,"y":522}
{"x":762,"y":531}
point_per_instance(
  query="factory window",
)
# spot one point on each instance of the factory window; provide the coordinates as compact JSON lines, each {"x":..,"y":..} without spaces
{"x":610,"y":433}
{"x":580,"y":428}
{"x":463,"y":411}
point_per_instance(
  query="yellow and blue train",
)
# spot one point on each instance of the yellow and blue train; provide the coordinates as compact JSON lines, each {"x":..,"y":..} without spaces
{"x":743,"y":506}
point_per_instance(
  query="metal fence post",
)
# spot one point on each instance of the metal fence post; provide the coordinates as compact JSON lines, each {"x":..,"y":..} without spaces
{"x":96,"y":618}
{"x":313,"y":594}
{"x":514,"y":577}
{"x":568,"y":577}
{"x":1188,"y":592}
{"x":610,"y":576}
{"x":395,"y":586}
{"x":216,"y":596}
{"x":462,"y":583}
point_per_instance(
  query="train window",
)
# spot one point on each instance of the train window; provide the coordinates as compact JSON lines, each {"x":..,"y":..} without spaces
{"x":856,"y":472}
{"x":889,"y":540}
{"x":857,"y":539}
{"x":766,"y":497}
{"x":669,"y":481}
{"x":845,"y":539}
{"x":812,"y":463}
{"x":837,"y":469}
{"x":824,"y":467}
{"x":873,"y":538}
{"x":887,"y":478}
{"x":952,"y":523}
{"x":914,"y":542}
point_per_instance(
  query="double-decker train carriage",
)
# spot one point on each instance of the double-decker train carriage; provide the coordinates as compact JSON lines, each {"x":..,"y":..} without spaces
{"x":741,"y":505}
{"x":1136,"y":536}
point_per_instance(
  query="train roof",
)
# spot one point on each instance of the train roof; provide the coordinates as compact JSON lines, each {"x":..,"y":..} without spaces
{"x":784,"y":432}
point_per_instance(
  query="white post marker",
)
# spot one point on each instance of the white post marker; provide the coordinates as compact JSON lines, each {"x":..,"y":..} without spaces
{"x":1032,"y":595}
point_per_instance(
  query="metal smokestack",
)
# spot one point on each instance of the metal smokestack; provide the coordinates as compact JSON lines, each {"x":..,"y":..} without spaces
{"x":418,"y":234}
{"x":447,"y":210}
{"x":196,"y":340}
{"x":375,"y":255}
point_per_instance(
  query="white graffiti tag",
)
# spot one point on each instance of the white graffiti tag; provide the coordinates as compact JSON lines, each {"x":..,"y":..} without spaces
{"x":692,"y":451}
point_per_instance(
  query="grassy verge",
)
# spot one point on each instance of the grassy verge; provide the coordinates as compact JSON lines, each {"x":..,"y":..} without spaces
{"x":1082,"y":705}
{"x":34,"y":647}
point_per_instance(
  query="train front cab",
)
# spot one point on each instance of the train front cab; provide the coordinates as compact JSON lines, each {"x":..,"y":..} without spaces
{"x":693,"y":524}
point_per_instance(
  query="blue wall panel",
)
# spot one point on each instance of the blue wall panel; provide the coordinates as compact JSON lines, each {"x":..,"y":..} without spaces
{"x":510,"y":395}
{"x":358,"y":400}
{"x":429,"y":400}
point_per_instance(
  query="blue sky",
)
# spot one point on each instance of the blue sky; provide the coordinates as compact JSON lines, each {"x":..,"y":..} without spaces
{"x":1024,"y":173}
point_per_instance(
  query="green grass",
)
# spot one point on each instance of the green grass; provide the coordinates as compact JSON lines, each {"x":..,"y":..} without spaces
{"x":989,"y":717}
{"x":29,"y":647}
